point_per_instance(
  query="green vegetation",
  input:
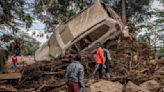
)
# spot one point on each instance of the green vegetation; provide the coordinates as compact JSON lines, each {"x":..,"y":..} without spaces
{"x":29,"y":48}
{"x":13,"y":13}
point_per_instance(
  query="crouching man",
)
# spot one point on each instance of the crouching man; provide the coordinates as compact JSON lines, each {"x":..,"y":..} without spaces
{"x":74,"y":76}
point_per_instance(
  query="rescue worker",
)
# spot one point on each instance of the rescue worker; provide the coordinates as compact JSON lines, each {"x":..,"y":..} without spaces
{"x":74,"y":76}
{"x":99,"y":60}
{"x":107,"y":62}
{"x":14,"y":61}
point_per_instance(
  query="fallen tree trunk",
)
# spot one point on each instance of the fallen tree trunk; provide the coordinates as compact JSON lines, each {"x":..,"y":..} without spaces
{"x":10,"y":76}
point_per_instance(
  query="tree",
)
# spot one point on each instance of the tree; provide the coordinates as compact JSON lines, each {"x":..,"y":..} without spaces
{"x":123,"y":11}
{"x":19,"y":45}
{"x":14,"y":13}
{"x":132,"y":12}
{"x":29,"y":48}
{"x":153,"y":31}
{"x":53,"y":12}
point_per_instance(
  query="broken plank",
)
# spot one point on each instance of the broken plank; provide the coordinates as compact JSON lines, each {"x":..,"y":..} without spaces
{"x":53,"y":73}
{"x":3,"y":81}
{"x":7,"y":88}
{"x":10,"y":76}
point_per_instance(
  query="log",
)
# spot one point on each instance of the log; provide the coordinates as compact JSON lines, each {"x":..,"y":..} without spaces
{"x":7,"y":88}
{"x":10,"y":76}
{"x":3,"y":81}
{"x":123,"y":68}
{"x":54,"y":73}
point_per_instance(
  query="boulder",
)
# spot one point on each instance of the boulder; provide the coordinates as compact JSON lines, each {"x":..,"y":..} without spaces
{"x":131,"y":87}
{"x":150,"y":85}
{"x":106,"y":86}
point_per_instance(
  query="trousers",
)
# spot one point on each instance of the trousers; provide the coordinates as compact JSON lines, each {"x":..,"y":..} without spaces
{"x":73,"y":86}
{"x":98,"y":68}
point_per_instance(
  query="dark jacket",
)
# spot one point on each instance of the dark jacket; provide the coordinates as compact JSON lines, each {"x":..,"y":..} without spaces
{"x":107,"y":56}
{"x":75,"y":72}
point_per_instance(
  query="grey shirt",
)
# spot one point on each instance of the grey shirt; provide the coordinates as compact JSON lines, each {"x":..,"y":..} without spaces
{"x":75,"y":72}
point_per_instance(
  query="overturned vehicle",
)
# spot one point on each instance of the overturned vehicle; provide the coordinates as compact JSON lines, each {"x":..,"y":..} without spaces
{"x":97,"y":23}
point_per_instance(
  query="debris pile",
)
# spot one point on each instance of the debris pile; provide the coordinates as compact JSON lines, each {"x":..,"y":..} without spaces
{"x":47,"y":76}
{"x":130,"y":62}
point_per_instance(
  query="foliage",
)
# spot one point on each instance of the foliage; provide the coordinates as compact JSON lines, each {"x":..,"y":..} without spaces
{"x":135,"y":9}
{"x":153,"y":30}
{"x":144,"y":38}
{"x":20,"y":45}
{"x":13,"y":13}
{"x":29,"y":48}
{"x":53,"y":12}
{"x":160,"y":52}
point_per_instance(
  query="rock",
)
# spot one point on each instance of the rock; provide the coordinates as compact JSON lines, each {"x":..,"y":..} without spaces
{"x":131,"y":87}
{"x":150,"y":85}
{"x":105,"y":86}
{"x":161,"y":90}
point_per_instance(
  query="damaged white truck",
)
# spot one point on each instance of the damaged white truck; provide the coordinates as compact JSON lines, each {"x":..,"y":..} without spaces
{"x":97,"y":23}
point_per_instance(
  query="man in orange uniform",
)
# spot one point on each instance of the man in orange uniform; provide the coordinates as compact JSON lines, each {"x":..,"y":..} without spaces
{"x":100,"y":59}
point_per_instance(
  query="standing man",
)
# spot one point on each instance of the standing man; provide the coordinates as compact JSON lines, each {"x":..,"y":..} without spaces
{"x":107,"y":62}
{"x":74,"y":76}
{"x":99,"y":60}
{"x":14,"y":60}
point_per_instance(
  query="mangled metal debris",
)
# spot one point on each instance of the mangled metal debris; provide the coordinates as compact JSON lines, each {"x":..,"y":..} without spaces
{"x":97,"y":23}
